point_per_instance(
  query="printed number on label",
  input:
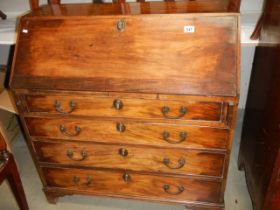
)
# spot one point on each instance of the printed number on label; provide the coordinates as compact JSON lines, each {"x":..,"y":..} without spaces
{"x":189,"y":29}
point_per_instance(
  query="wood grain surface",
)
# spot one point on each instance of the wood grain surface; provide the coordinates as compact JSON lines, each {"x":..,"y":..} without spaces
{"x":137,"y":158}
{"x":103,"y":106}
{"x":137,"y":133}
{"x":140,"y":185}
{"x":140,"y":59}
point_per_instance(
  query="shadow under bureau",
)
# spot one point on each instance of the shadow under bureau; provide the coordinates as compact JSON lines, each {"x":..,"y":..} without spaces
{"x":133,"y":100}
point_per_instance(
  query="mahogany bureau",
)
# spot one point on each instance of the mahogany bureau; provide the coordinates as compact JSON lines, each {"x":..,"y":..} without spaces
{"x":132,"y":100}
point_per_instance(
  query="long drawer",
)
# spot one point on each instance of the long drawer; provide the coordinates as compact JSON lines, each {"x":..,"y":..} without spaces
{"x":129,"y":132}
{"x":109,"y":106}
{"x":118,"y":183}
{"x":173,"y":161}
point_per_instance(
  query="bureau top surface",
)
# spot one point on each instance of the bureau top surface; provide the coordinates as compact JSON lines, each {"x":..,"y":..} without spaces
{"x":190,"y":54}
{"x":134,"y":8}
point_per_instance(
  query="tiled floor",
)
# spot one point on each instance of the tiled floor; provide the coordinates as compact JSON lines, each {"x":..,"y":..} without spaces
{"x":236,"y":196}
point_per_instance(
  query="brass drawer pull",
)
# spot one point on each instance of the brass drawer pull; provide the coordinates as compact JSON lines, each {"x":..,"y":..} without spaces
{"x":126,"y":177}
{"x":180,"y":189}
{"x":120,"y":127}
{"x":165,"y":110}
{"x":58,"y":108}
{"x":183,"y":136}
{"x":118,"y":104}
{"x":64,"y":131}
{"x":70,"y":154}
{"x":121,"y":25}
{"x":181,"y":163}
{"x":76,"y":180}
{"x":123,"y":152}
{"x":89,"y":180}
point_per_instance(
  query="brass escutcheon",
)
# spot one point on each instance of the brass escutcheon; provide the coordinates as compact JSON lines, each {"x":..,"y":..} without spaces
{"x":121,"y":25}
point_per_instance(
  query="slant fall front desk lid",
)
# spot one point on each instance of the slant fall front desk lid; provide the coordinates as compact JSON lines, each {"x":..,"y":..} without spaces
{"x":159,"y":47}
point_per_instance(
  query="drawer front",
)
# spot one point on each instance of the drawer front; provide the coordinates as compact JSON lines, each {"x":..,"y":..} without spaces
{"x":99,"y":106}
{"x":128,"y":132}
{"x":132,"y":158}
{"x":144,"y":57}
{"x":117,"y":183}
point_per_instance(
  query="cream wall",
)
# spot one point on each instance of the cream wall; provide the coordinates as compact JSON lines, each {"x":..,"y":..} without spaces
{"x":251,"y":5}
